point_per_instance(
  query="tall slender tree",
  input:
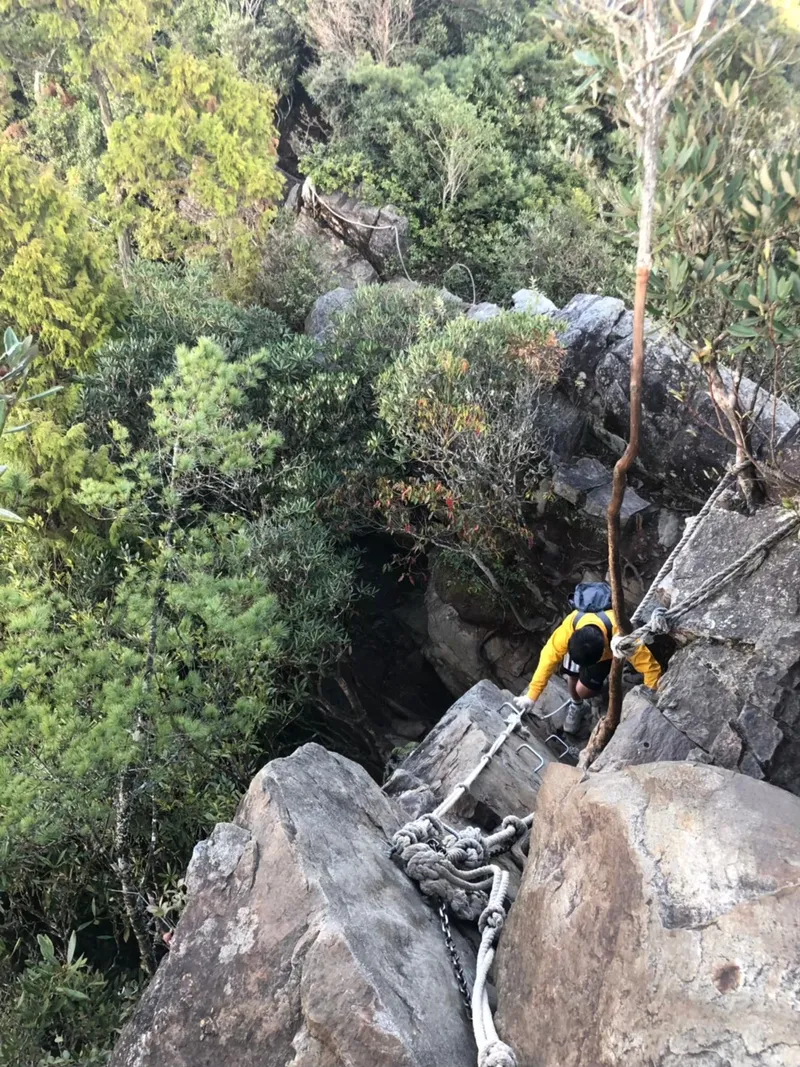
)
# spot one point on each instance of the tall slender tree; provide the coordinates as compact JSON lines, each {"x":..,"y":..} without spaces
{"x":640,"y":50}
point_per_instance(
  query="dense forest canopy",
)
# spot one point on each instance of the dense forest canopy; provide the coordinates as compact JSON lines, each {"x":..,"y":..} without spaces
{"x":187,"y":478}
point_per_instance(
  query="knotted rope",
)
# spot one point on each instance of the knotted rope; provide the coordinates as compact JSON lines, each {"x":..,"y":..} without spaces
{"x":451,"y":865}
{"x":663,"y":620}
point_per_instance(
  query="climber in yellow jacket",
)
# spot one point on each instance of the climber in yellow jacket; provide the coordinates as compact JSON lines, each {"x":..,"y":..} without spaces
{"x":582,"y":645}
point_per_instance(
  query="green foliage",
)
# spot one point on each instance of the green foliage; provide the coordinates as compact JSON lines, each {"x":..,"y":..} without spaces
{"x":55,"y":271}
{"x":194,"y":170}
{"x":292,"y":274}
{"x":58,"y":1009}
{"x":463,"y":411}
{"x":66,"y":132}
{"x":90,"y":35}
{"x":169,"y":306}
{"x":726,"y":272}
{"x":263,"y":40}
{"x":566,"y":252}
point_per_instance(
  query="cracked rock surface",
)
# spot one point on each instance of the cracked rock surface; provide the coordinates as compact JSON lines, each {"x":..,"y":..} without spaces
{"x":302,"y":945}
{"x":658,"y":923}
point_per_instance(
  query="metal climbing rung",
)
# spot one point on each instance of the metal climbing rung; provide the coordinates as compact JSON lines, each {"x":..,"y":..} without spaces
{"x":550,"y":714}
{"x":561,"y":741}
{"x":536,"y":754}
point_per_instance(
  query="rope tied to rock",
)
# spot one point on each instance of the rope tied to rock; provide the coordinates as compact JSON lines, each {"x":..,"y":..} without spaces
{"x":497,"y":1054}
{"x":664,"y":620}
{"x":451,"y":866}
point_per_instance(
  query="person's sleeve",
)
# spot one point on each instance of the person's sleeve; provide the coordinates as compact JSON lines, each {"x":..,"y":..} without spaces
{"x":646,"y":663}
{"x":552,"y":654}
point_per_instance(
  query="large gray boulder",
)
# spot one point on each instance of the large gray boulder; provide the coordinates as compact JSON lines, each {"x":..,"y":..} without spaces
{"x":658,"y":923}
{"x":302,"y":945}
{"x":319,"y":320}
{"x":679,"y":443}
{"x":451,"y":750}
{"x":462,"y":652}
{"x":375,"y":233}
{"x":731,"y":694}
{"x":345,"y":266}
{"x":530,"y":302}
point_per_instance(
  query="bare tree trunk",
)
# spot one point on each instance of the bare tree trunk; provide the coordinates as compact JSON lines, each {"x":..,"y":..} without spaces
{"x":124,"y":244}
{"x":727,"y":402}
{"x":131,"y":897}
{"x":604,"y":730}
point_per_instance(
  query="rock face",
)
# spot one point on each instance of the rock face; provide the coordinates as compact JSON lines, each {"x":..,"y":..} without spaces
{"x":374,"y":233}
{"x":346,"y":267}
{"x":508,"y":786}
{"x":587,"y":484}
{"x":482,"y":312}
{"x":464,"y":652}
{"x":533,"y":303}
{"x":676,"y":446}
{"x":733,"y":690}
{"x":658,"y":923}
{"x":318,"y":321}
{"x":302,"y":945}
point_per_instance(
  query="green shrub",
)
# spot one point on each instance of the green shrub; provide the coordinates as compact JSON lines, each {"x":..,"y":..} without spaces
{"x":565,"y":252}
{"x":169,"y":306}
{"x":462,"y":410}
{"x":292,"y":274}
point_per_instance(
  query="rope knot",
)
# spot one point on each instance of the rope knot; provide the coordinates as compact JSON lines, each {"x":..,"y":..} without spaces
{"x":659,"y":621}
{"x":493,"y":916}
{"x":467,"y":850}
{"x":420,"y":830}
{"x":497,"y":1054}
{"x":519,"y":826}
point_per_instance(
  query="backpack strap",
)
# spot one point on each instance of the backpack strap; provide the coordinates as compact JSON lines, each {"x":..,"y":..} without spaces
{"x":601,"y":615}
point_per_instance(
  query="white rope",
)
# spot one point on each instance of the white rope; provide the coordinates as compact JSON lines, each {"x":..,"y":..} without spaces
{"x":663,"y":620}
{"x":492,"y":1052}
{"x":453,"y":866}
{"x":688,"y":534}
{"x":308,"y":186}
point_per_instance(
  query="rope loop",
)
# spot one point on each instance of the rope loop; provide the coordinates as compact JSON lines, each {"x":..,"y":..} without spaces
{"x":519,"y":826}
{"x":468,"y":849}
{"x":659,"y":621}
{"x":497,"y":1054}
{"x":493,"y":916}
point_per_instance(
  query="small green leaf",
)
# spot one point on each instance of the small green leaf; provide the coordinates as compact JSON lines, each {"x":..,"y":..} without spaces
{"x":72,"y":994}
{"x":586,"y":58}
{"x":787,"y":183}
{"x":71,"y":946}
{"x":45,"y":944}
{"x":742,"y":329}
{"x":47,"y":392}
{"x":9,"y":516}
{"x":765,"y":178}
{"x":10,"y":339}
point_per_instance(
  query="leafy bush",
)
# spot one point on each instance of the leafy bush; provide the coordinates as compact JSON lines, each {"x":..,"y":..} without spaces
{"x":56,"y":276}
{"x":292,"y":275}
{"x":566,"y":252}
{"x":57,"y":1010}
{"x":169,"y":306}
{"x":462,"y":411}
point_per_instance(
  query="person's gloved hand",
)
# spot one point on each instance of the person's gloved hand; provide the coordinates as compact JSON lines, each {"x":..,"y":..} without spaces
{"x":524,"y":704}
{"x":614,"y":644}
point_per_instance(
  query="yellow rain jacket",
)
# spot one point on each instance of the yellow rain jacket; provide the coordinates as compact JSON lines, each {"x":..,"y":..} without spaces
{"x":554,"y":651}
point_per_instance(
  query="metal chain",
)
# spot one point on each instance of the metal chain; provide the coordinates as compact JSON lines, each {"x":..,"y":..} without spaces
{"x":455,"y":959}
